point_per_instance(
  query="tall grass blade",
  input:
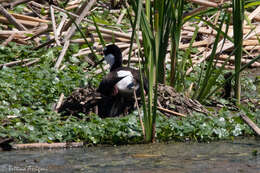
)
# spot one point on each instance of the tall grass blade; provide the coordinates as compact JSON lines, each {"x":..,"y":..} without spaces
{"x":205,"y":87}
{"x":238,"y":18}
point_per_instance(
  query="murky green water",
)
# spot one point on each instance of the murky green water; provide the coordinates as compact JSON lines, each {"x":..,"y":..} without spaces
{"x":237,"y":156}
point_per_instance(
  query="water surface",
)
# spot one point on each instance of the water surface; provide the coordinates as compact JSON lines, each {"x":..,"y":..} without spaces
{"x":238,"y":156}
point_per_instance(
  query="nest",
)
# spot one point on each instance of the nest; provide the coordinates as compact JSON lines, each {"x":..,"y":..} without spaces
{"x":82,"y":100}
{"x":169,"y":99}
{"x":87,"y":100}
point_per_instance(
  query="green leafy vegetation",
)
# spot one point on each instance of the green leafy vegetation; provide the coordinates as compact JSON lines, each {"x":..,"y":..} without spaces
{"x":29,"y":93}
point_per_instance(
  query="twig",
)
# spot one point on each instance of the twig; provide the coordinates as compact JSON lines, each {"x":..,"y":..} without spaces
{"x":251,"y":124}
{"x":63,"y":20}
{"x":34,"y":11}
{"x":48,"y":145}
{"x":205,"y":3}
{"x":59,"y":102}
{"x":80,"y":18}
{"x":56,"y":36}
{"x":15,"y":3}
{"x":8,"y":32}
{"x":170,"y":112}
{"x":121,"y":17}
{"x":139,"y":113}
{"x":85,"y":19}
{"x":79,"y":11}
{"x":197,"y":10}
{"x":22,"y":22}
{"x":31,"y":63}
{"x":62,"y":67}
{"x":9,"y":39}
{"x":116,"y":33}
{"x":227,"y":46}
{"x":253,"y":14}
{"x":44,"y":44}
{"x":11,"y":19}
{"x":9,"y":64}
{"x":29,"y":18}
{"x":72,"y":30}
{"x":63,"y":52}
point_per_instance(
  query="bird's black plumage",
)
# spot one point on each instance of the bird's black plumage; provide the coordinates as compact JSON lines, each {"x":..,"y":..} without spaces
{"x":119,"y":84}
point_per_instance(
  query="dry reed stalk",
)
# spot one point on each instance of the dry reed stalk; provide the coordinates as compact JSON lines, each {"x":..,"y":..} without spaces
{"x":72,"y":31}
{"x":58,"y":105}
{"x":48,"y":145}
{"x":11,"y":19}
{"x":56,"y":35}
{"x":171,"y":112}
{"x":22,"y":22}
{"x":243,"y":61}
{"x":112,"y":32}
{"x":62,"y":22}
{"x":31,"y":62}
{"x":9,"y":64}
{"x":257,"y":48}
{"x":72,"y":7}
{"x":9,"y":32}
{"x":250,"y":43}
{"x":29,"y":18}
{"x":120,"y":18}
{"x":253,"y":14}
{"x":205,"y":3}
{"x":228,"y":45}
{"x":81,"y":41}
{"x":9,"y":39}
{"x":251,"y":124}
{"x":196,"y":44}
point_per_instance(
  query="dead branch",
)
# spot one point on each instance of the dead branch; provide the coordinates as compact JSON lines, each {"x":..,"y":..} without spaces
{"x":48,"y":145}
{"x":11,"y":19}
{"x":170,"y":112}
{"x":251,"y":124}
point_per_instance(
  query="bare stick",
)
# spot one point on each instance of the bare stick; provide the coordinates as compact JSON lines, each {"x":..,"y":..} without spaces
{"x":139,"y":112}
{"x":31,"y":63}
{"x":72,"y":30}
{"x":63,"y":52}
{"x":10,"y":38}
{"x":48,"y":145}
{"x":170,"y":112}
{"x":227,"y":46}
{"x":8,"y":32}
{"x":80,"y":18}
{"x":56,"y":36}
{"x":251,"y":124}
{"x":11,"y":19}
{"x":15,"y":3}
{"x":205,"y":3}
{"x":59,"y":102}
{"x":29,"y":18}
{"x":120,"y":17}
{"x":63,"y":20}
{"x":9,"y":64}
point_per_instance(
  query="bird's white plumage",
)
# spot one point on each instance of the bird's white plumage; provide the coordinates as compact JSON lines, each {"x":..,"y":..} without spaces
{"x":126,"y":85}
{"x":124,"y":73}
{"x":110,"y":59}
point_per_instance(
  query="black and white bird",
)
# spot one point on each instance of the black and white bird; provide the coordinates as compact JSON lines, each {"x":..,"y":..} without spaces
{"x":121,"y":80}
{"x":120,"y":83}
